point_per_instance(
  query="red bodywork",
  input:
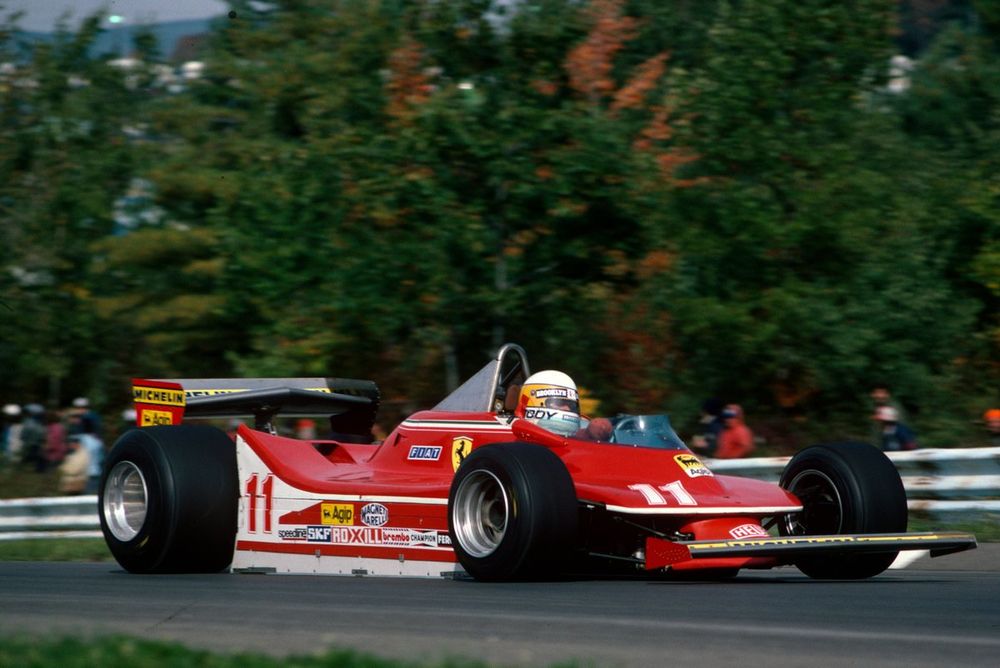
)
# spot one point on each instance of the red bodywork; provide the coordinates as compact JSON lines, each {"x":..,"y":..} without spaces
{"x":341,"y":507}
{"x":670,"y":489}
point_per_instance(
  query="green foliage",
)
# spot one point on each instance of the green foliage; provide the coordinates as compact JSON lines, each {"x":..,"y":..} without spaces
{"x":63,"y":157}
{"x":669,"y":200}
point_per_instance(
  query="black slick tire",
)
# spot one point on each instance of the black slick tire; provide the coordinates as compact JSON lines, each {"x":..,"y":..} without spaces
{"x":168,"y":500}
{"x":512,"y":513}
{"x":845,"y":488}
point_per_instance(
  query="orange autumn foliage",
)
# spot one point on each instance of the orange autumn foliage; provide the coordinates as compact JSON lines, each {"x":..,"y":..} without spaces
{"x":590,"y":64}
{"x":408,"y":87}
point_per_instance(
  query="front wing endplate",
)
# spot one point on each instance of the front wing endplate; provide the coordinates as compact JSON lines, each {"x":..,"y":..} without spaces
{"x":661,"y":553}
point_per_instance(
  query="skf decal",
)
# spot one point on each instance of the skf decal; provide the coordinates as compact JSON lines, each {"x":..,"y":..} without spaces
{"x":337,"y":513}
{"x":318,"y":534}
{"x":374,"y":514}
{"x":461,"y":447}
{"x":429,"y":453}
{"x":748,"y":531}
{"x":692,"y":466}
{"x":151,"y":418}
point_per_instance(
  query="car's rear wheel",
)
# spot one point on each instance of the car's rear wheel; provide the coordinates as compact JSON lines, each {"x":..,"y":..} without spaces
{"x":512,"y":513}
{"x":845,"y":488}
{"x":168,"y":499}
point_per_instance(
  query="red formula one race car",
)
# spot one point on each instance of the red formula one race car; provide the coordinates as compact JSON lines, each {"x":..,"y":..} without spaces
{"x":469,"y":486}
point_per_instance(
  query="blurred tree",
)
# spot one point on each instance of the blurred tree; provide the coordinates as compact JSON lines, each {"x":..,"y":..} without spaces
{"x":667,"y":200}
{"x":63,"y":158}
{"x":952,"y":112}
{"x":806,"y":269}
{"x":412,"y":184}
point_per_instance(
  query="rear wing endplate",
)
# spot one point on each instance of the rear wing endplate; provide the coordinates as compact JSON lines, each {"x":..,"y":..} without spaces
{"x":169,"y":401}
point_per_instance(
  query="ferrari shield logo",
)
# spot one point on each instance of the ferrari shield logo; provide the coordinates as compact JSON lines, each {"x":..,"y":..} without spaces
{"x":461,"y":446}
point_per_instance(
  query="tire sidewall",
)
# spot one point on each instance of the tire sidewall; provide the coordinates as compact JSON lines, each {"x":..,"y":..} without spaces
{"x":541,"y":512}
{"x":192,"y":498}
{"x":872,"y":500}
{"x":147,"y":550}
{"x":871,"y":492}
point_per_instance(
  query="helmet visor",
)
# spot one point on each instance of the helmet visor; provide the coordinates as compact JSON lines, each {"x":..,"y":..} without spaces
{"x":563,"y":404}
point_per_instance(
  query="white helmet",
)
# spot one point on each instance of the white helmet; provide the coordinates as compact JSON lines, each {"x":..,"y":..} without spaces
{"x":550,"y":400}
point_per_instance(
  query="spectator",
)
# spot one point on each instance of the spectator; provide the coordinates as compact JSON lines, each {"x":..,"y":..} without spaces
{"x":992,"y":420}
{"x":735,"y":439}
{"x":74,"y":471}
{"x":710,"y":422}
{"x":128,"y":421}
{"x":83,"y":429}
{"x":894,"y":434}
{"x":881,"y":396}
{"x":33,"y":435}
{"x":81,"y":405}
{"x":305,"y":429}
{"x":55,"y":438}
{"x":11,"y":445}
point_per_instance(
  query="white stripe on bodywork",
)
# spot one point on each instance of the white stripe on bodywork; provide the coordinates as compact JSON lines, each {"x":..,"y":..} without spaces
{"x":716,"y":510}
{"x":497,"y":425}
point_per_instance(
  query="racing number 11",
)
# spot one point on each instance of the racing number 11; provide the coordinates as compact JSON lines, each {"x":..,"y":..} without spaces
{"x":674,"y":489}
{"x":267,"y":491}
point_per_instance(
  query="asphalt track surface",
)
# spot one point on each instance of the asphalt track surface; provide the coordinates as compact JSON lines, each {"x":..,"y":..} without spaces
{"x":943,"y":612}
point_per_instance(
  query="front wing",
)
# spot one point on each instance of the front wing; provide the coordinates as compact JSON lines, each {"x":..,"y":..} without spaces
{"x":662,"y":553}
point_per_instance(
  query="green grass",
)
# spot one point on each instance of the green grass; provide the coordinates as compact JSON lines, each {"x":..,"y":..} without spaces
{"x":986,"y":527}
{"x":21,"y":482}
{"x":122,"y":652}
{"x":55,"y":549}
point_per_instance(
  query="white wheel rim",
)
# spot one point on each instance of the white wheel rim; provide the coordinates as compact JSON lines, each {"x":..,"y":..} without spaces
{"x":125,"y":501}
{"x":480,"y":513}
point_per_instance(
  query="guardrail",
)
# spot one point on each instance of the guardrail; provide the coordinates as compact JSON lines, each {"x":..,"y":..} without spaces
{"x":937,"y":481}
{"x":50,"y":517}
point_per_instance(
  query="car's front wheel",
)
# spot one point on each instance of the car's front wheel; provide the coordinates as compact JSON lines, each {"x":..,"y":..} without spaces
{"x":845,"y":488}
{"x":512,"y":513}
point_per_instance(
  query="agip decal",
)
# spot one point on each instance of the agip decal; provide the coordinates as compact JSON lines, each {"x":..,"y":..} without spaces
{"x":341,"y":514}
{"x":151,"y":418}
{"x":461,"y":447}
{"x":692,"y":466}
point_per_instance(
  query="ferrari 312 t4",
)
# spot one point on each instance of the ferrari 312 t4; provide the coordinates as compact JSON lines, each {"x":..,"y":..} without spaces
{"x":469,"y":487}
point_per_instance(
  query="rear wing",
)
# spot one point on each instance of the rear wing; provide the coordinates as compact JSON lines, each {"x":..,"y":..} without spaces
{"x":350,"y":404}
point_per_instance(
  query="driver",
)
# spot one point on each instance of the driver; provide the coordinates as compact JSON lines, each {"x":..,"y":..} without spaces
{"x":550,"y":400}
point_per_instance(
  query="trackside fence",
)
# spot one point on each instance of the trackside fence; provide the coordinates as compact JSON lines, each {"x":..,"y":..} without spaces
{"x":50,"y":517}
{"x":938,"y":481}
{"x":951,"y":482}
